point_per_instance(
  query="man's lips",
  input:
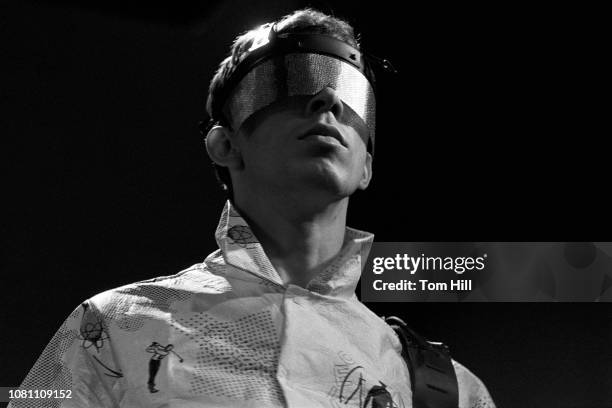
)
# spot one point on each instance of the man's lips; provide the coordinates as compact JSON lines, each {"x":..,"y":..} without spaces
{"x":325,"y":130}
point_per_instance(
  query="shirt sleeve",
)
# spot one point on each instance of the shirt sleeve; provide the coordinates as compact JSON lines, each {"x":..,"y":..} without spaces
{"x":472,"y":391}
{"x":77,"y":363}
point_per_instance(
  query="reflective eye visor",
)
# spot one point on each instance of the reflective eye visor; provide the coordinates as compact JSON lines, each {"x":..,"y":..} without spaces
{"x":301,"y":65}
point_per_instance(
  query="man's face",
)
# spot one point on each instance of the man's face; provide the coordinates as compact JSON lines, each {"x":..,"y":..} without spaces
{"x":314,"y":143}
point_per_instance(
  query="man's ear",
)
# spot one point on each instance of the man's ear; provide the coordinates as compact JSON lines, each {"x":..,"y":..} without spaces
{"x":367,"y":172}
{"x":221,"y":148}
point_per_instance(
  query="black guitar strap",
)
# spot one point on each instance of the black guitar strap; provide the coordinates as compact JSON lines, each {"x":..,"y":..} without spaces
{"x":432,"y":376}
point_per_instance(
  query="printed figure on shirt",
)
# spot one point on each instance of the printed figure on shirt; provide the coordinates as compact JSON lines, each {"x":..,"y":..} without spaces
{"x":159,"y":353}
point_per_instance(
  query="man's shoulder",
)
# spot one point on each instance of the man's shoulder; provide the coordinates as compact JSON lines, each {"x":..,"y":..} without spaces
{"x":472,"y":391}
{"x":162,"y":291}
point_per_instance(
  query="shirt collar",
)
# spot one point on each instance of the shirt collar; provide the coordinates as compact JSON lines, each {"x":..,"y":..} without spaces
{"x":240,"y":248}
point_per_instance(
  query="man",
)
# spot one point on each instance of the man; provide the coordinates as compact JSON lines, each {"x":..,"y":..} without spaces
{"x":271,"y":318}
{"x":159,"y":353}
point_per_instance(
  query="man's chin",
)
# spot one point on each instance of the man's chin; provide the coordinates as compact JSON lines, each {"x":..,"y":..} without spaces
{"x":324,"y":182}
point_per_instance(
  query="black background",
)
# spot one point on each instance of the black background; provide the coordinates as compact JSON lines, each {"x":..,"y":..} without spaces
{"x":485,"y":134}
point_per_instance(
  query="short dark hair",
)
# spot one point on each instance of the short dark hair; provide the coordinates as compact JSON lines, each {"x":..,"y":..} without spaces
{"x":305,"y":20}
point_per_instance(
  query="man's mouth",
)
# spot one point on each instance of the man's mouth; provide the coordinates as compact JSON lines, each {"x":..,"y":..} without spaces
{"x":327,"y":131}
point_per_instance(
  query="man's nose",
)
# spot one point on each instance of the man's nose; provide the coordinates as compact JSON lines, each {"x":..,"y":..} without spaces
{"x":326,"y":100}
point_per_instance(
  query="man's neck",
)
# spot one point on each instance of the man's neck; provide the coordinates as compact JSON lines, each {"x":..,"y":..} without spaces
{"x":300,"y":239}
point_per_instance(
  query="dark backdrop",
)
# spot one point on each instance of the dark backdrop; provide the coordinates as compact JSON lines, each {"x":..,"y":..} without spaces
{"x":482,"y":136}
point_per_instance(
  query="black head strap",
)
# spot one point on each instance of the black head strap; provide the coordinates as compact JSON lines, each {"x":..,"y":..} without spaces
{"x":287,"y":43}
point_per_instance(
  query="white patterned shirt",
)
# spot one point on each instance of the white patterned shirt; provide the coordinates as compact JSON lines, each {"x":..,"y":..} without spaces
{"x":228,"y":333}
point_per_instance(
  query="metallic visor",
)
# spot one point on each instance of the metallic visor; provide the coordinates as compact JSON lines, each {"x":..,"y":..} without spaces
{"x":302,"y":74}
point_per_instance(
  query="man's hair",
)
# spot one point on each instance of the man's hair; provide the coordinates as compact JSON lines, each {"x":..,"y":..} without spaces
{"x":306,"y":21}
